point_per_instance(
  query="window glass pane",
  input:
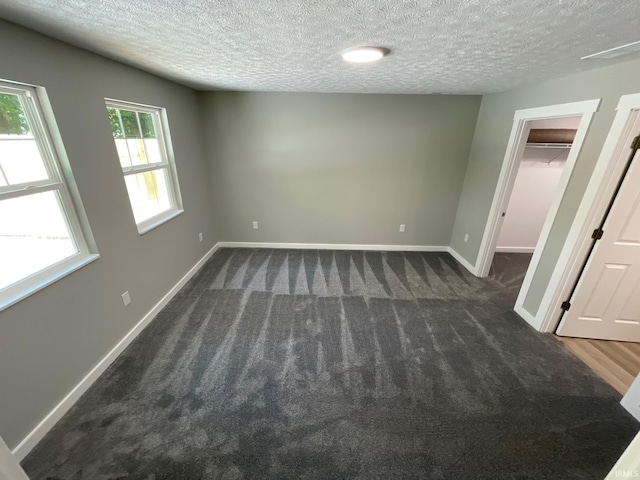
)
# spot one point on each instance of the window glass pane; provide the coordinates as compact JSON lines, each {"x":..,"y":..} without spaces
{"x":13,"y":121}
{"x":137,"y":139}
{"x":33,"y":236}
{"x":123,"y":152}
{"x":146,"y":122}
{"x":152,"y":146}
{"x":20,"y":160}
{"x":149,"y":193}
{"x":114,"y":120}
{"x":130,"y":124}
{"x":137,"y":152}
{"x":140,"y":155}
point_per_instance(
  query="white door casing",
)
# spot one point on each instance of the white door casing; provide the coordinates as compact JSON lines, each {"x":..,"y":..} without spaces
{"x":631,"y":402}
{"x":10,"y":469}
{"x":515,"y":147}
{"x":517,"y":141}
{"x":604,"y":179}
{"x":628,"y":465}
{"x":606,"y":302}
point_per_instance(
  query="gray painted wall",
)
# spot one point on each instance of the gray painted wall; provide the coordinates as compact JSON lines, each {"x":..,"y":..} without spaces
{"x":490,"y":143}
{"x":309,"y":167}
{"x":51,"y":340}
{"x":337,"y":168}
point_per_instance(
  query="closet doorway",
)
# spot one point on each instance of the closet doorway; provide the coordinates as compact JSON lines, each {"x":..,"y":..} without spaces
{"x":522,"y":144}
{"x":540,"y":168}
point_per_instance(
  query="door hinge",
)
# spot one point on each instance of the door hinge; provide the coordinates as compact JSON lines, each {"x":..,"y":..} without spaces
{"x":635,"y":145}
{"x":566,"y":305}
{"x":597,"y":234}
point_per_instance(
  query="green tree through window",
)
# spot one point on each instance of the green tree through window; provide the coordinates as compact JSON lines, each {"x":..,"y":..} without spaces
{"x":12,"y":118}
{"x":114,"y":120}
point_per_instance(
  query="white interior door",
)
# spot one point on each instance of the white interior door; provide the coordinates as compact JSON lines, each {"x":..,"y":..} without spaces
{"x":606,"y":302}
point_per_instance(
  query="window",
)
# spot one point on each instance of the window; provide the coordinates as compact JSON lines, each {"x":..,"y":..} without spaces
{"x":141,"y":134}
{"x":41,"y":235}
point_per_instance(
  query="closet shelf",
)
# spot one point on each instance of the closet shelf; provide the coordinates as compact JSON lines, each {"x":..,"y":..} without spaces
{"x":549,"y":145}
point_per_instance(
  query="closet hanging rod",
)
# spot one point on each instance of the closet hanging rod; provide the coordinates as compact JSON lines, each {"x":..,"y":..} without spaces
{"x":548,"y":145}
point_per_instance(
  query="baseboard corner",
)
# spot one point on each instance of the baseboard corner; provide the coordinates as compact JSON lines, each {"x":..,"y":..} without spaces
{"x":463,"y":261}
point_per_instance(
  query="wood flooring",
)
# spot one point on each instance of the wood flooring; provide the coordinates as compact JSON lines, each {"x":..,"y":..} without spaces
{"x":618,"y":363}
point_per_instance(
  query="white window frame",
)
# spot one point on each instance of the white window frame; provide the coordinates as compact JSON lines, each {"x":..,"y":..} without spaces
{"x":161,"y":125}
{"x":44,"y":130}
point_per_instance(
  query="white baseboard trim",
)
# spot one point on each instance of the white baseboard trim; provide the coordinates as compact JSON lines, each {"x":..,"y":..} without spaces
{"x":515,"y":249}
{"x":32,"y":439}
{"x":337,"y":246}
{"x":465,"y":263}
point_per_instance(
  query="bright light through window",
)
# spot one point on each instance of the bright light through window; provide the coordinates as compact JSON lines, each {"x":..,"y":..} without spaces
{"x":28,"y":246}
{"x":39,"y":227}
{"x":140,"y":135}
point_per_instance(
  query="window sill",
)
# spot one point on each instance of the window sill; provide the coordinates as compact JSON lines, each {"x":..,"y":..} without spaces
{"x":153,"y":222}
{"x":36,"y":282}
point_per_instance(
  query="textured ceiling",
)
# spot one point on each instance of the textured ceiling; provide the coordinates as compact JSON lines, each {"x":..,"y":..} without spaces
{"x":444,"y":46}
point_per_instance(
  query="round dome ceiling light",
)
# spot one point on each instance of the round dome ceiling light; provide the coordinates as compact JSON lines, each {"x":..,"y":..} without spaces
{"x":364,"y":54}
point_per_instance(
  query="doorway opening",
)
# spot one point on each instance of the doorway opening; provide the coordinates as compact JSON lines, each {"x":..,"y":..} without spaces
{"x":580,"y":113}
{"x":540,"y":167}
{"x":538,"y":172}
{"x":600,"y":320}
{"x":580,"y":261}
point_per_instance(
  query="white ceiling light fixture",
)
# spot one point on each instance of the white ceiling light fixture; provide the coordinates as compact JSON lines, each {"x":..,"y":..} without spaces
{"x":364,"y":54}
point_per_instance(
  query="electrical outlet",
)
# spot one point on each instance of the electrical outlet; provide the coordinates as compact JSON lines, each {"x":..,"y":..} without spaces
{"x":466,"y":237}
{"x":402,"y":227}
{"x":255,"y":225}
{"x":200,"y":236}
{"x":126,"y":298}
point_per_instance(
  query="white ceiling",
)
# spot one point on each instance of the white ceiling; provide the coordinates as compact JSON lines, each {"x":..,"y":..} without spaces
{"x":443,"y":46}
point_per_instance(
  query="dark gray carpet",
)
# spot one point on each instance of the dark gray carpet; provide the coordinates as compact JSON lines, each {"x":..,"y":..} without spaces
{"x":296,"y":364}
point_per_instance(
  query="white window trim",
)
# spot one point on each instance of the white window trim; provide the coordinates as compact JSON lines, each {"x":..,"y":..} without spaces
{"x":44,"y":131}
{"x":166,"y":149}
{"x":34,"y":283}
